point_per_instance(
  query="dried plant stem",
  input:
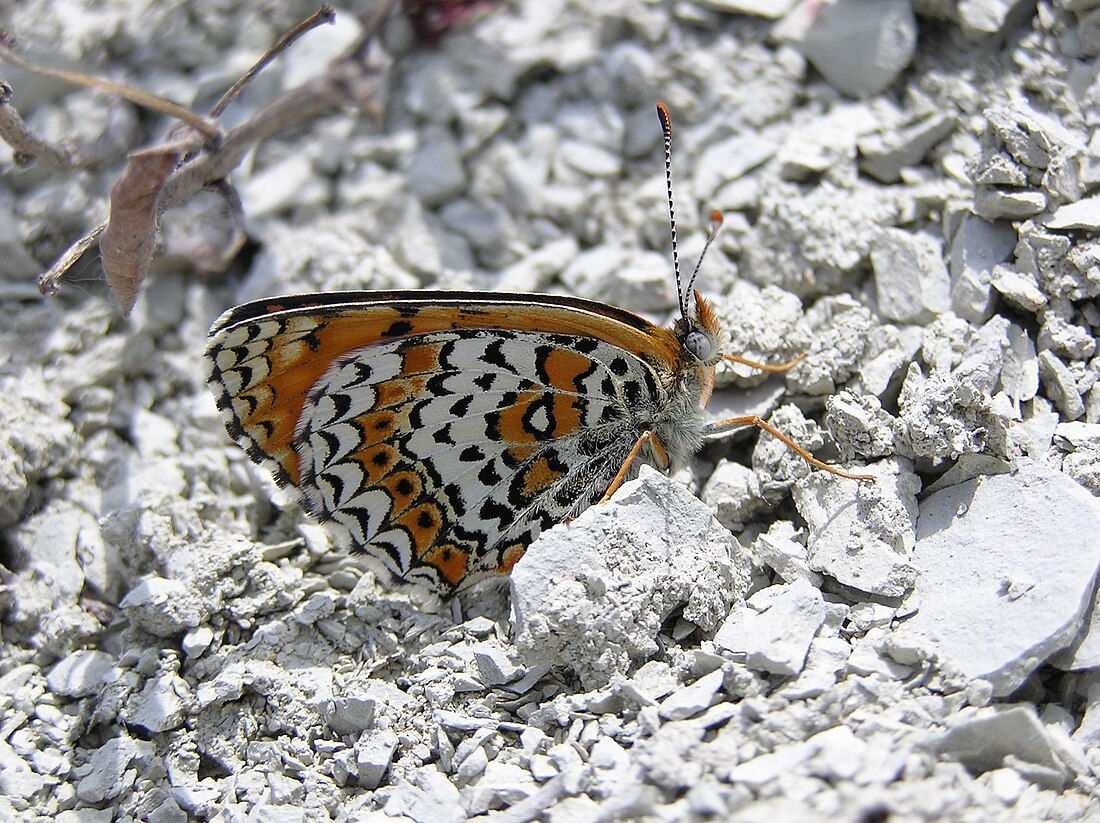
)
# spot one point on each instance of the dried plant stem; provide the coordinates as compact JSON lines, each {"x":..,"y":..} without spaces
{"x":325,"y":14}
{"x":348,"y":81}
{"x":27,"y":145}
{"x":203,"y":125}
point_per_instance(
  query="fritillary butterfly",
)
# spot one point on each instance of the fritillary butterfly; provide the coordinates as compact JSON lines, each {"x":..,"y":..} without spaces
{"x":441,"y":432}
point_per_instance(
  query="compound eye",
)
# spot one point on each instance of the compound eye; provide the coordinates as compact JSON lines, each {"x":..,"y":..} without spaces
{"x":699,"y":344}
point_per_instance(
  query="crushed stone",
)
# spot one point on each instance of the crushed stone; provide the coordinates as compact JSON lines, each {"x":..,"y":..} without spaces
{"x":916,"y":215}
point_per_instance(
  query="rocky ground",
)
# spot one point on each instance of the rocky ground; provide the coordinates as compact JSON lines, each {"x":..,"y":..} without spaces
{"x":908,"y":192}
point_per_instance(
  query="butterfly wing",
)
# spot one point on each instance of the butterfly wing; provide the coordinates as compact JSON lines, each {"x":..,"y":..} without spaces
{"x":441,"y":431}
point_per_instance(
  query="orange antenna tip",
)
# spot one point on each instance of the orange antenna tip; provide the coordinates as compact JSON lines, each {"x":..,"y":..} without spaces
{"x":665,"y":118}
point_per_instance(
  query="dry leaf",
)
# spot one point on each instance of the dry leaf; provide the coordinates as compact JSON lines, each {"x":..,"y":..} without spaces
{"x":127,"y":244}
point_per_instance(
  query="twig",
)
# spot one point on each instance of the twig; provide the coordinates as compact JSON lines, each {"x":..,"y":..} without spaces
{"x":27,"y":145}
{"x":371,"y":19}
{"x":325,"y":14}
{"x":345,"y":82}
{"x":206,"y":127}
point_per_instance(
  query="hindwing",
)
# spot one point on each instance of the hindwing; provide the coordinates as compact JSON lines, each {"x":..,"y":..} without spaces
{"x":439,"y":434}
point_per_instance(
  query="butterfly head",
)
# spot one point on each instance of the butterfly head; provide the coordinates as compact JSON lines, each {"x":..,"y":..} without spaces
{"x":701,"y":334}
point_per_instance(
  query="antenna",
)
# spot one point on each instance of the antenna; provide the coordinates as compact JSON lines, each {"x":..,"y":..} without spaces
{"x":716,"y":220}
{"x":666,"y":128}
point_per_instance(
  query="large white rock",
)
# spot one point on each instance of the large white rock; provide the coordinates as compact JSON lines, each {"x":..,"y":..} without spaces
{"x":987,"y":738}
{"x":862,"y":534}
{"x":82,"y":673}
{"x":775,"y":628}
{"x":859,"y":46}
{"x":911,"y":280}
{"x":592,"y":595}
{"x":1007,"y":566}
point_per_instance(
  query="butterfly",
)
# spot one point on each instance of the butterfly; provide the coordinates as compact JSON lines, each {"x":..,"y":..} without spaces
{"x":442,"y":431}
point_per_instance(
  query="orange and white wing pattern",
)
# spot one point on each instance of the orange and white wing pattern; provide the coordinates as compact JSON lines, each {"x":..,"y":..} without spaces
{"x":441,"y":432}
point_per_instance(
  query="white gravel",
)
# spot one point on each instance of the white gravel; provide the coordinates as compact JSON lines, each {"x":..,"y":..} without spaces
{"x":910,"y":192}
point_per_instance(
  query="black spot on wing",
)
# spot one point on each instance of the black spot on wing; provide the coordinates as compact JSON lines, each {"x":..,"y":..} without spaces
{"x":244,"y":372}
{"x":437,"y":385}
{"x":451,"y":495}
{"x":252,"y":402}
{"x":341,"y":405}
{"x":398,"y":328}
{"x":492,"y":510}
{"x":585,"y":345}
{"x":416,"y":414}
{"x":492,"y":426}
{"x":362,"y":370}
{"x":610,"y":414}
{"x":332,"y":442}
{"x":446,"y":351}
{"x":471,"y":454}
{"x":542,"y":355}
{"x":489,"y":476}
{"x":335,"y":482}
{"x":494,"y":356}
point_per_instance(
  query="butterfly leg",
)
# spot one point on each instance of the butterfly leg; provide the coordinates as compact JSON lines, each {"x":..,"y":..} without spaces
{"x":659,"y":452}
{"x":778,"y":368}
{"x":760,"y":423}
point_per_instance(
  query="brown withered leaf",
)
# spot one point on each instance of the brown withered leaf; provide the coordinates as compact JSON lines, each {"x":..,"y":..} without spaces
{"x":126,"y":246}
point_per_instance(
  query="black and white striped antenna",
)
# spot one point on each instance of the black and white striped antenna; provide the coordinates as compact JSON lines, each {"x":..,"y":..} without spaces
{"x":715,"y":217}
{"x":666,"y":128}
